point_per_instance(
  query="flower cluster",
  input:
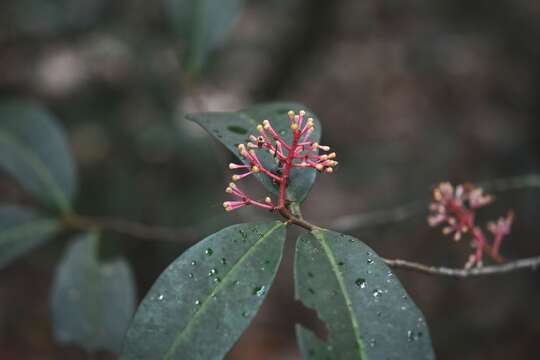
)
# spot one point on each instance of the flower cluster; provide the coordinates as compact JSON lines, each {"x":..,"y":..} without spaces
{"x":456,"y":208}
{"x":301,"y":153}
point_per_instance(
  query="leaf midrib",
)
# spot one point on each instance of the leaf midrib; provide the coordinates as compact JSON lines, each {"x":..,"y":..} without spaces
{"x":21,"y":231}
{"x":319,"y":234}
{"x":40,"y":169}
{"x":224,"y":281}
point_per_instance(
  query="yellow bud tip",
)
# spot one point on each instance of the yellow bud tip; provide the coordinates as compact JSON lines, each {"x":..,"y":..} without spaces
{"x":255,"y":169}
{"x":231,"y":166}
{"x":290,"y":113}
{"x":329,"y":170}
{"x":226,"y":204}
{"x":259,"y":127}
{"x":319,"y":167}
{"x":324,"y":157}
{"x":235,"y":178}
{"x":268,"y":200}
{"x":332,"y":155}
{"x":228,"y":190}
{"x":232,"y":185}
{"x":266,"y":123}
{"x":294,"y":126}
{"x":302,"y":113}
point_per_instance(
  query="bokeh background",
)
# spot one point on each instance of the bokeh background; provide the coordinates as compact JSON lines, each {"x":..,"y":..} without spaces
{"x":410,"y":93}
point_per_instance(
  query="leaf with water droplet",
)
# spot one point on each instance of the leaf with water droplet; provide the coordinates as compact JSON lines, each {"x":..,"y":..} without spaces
{"x":208,"y":314}
{"x":92,"y":302}
{"x":300,"y":180}
{"x":356,"y":327}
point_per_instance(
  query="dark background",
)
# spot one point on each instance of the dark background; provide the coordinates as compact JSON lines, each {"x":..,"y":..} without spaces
{"x":410,"y":93}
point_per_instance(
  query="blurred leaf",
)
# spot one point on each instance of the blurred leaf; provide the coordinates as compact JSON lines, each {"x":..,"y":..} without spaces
{"x":21,"y":230}
{"x":91,"y":302}
{"x":202,"y":26}
{"x":234,"y":128}
{"x":34,"y":151}
{"x":367,"y":312}
{"x":203,"y":301}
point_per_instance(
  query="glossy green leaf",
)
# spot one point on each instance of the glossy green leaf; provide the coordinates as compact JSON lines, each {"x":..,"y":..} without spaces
{"x":91,"y":302}
{"x":201,"y":26}
{"x":367,"y":312}
{"x":203,"y":301}
{"x":235,"y":127}
{"x":34,"y":151}
{"x":21,"y":230}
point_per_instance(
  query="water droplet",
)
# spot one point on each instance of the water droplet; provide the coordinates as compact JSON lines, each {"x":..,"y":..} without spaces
{"x":341,"y":263}
{"x":243,"y":234}
{"x":236,"y":282}
{"x":161,"y":297}
{"x":259,"y":290}
{"x":372,"y":343}
{"x":377,"y":292}
{"x":403,"y":308}
{"x":245,"y":314}
{"x":197,"y":302}
{"x":212,"y":272}
{"x":370,"y":261}
{"x":389,"y":274}
{"x":361,"y":283}
{"x":412,"y":336}
{"x":369,"y":253}
{"x":379,"y":314}
{"x":223,"y":261}
{"x":190,"y":275}
{"x":217,"y":279}
{"x":310,"y":274}
{"x":193,"y":263}
{"x":209,"y":252}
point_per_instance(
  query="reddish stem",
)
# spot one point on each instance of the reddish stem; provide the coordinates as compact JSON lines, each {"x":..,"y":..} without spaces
{"x":286,"y":169}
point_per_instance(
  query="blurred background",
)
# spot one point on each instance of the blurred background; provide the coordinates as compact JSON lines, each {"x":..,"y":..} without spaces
{"x":410,"y":93}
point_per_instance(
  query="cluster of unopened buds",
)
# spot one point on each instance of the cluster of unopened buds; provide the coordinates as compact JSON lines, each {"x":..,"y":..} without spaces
{"x":456,"y":209}
{"x":300,"y":153}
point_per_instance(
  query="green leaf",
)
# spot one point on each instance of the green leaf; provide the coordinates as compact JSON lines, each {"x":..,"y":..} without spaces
{"x":367,"y":312}
{"x":203,"y":301}
{"x":34,"y":151}
{"x":91,"y":302}
{"x":21,"y":230}
{"x":202,"y":26}
{"x":235,"y":127}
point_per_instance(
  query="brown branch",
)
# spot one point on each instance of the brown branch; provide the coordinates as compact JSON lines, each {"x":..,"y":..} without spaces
{"x":129,"y":228}
{"x":528,"y":263}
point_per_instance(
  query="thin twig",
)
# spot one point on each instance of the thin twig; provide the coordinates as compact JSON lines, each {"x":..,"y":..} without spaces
{"x":404,"y":212}
{"x":133,"y":229}
{"x":528,"y":263}
{"x":379,"y":217}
